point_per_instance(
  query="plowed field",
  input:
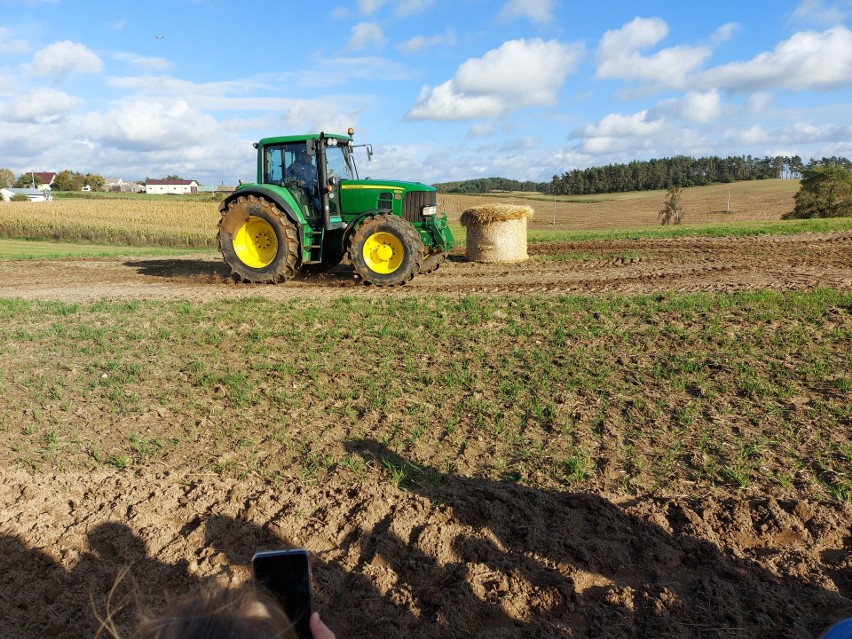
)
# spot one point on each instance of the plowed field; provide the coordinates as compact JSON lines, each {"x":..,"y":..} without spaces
{"x":458,"y":555}
{"x":790,"y":262}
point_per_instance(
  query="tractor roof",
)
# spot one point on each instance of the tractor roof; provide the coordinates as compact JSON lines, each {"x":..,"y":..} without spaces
{"x":301,"y":138}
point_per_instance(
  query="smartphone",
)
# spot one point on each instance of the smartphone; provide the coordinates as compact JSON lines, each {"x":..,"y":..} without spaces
{"x":286,"y":574}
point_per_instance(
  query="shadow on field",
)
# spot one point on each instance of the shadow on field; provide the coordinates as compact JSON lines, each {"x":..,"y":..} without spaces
{"x":448,"y":556}
{"x":628,"y":577}
{"x":39,"y":598}
{"x":217,"y":271}
{"x":181,"y":268}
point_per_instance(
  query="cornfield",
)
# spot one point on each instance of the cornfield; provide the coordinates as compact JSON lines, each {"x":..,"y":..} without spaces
{"x":120,"y":221}
{"x":187,"y":223}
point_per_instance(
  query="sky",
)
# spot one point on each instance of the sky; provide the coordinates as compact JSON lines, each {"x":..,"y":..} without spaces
{"x":444,"y":90}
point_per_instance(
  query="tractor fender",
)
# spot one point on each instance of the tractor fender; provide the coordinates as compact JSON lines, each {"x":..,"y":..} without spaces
{"x":292,"y":212}
{"x":350,"y":228}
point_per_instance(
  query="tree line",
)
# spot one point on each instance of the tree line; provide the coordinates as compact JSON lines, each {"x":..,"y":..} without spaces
{"x":655,"y":174}
{"x":66,"y":180}
{"x":489,"y":185}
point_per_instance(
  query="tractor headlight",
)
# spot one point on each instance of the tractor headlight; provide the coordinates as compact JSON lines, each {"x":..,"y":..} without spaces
{"x":429,"y":210}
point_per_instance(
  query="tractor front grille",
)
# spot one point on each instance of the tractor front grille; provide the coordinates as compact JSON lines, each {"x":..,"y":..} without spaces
{"x":413,"y":203}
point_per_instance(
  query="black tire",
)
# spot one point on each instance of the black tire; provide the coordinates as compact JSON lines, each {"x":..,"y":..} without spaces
{"x":433,"y":262}
{"x":399,"y":262}
{"x":243,"y":213}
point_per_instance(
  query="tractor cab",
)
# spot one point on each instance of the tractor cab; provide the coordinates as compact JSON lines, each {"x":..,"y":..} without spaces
{"x":295,"y":166}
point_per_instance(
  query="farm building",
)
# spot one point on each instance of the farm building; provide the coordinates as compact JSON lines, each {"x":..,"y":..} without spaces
{"x":171,"y":187}
{"x":33,"y":195}
{"x":117,"y":185}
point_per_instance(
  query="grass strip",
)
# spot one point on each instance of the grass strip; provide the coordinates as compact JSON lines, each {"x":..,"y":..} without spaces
{"x":663,"y":394}
{"x":36,"y":249}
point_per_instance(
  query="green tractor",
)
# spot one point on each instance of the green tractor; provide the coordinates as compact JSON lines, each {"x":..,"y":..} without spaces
{"x":308,"y":210}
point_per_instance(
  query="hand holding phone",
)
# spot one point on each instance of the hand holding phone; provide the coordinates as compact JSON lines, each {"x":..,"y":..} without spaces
{"x":286,"y":574}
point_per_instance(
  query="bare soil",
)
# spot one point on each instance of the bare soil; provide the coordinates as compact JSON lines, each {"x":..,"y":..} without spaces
{"x":454,"y":556}
{"x":789,"y":262}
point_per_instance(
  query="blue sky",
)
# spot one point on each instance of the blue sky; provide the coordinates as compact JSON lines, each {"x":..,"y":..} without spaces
{"x":442,"y":89}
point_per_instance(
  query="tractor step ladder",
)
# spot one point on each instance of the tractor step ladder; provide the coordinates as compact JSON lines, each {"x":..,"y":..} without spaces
{"x":313,"y":246}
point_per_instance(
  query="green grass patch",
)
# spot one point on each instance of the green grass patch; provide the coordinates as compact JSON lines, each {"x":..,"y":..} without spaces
{"x":730,"y":229}
{"x":666,"y":394}
{"x":35,"y":249}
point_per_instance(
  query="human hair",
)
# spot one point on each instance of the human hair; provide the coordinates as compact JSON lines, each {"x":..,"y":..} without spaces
{"x":219,"y":613}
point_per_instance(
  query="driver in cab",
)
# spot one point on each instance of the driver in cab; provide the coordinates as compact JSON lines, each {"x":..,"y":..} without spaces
{"x":304,"y":170}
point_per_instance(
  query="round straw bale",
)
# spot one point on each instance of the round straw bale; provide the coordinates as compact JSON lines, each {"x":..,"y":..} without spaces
{"x":497,"y":232}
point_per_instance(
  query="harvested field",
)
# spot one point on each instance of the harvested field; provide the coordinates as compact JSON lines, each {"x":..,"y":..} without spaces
{"x":749,"y":201}
{"x":625,"y":438}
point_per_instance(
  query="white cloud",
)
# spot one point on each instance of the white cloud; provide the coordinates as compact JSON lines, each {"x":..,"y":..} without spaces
{"x":725,"y":32}
{"x":444,"y":102}
{"x":403,"y":8}
{"x":519,"y":66}
{"x":117,"y":25}
{"x":520,"y":73}
{"x":368,"y":7}
{"x":366,"y":35}
{"x":619,"y":56}
{"x":145,"y":126}
{"x":6,"y":84}
{"x":697,"y":107}
{"x":617,"y":131}
{"x":536,"y":10}
{"x":759,"y":103}
{"x":10,"y":46}
{"x":796,"y":134}
{"x":481,"y":130}
{"x":406,"y":8}
{"x":166,"y":85}
{"x":62,"y":58}
{"x":147,"y":63}
{"x":40,"y":106}
{"x":807,"y":61}
{"x":316,"y":115}
{"x":821,"y":12}
{"x":418,"y":43}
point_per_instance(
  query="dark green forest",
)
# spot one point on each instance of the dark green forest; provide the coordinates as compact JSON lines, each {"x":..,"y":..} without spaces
{"x":649,"y":175}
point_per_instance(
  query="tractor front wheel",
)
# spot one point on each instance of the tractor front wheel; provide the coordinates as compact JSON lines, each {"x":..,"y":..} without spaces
{"x":257,"y":241}
{"x":386,"y":250}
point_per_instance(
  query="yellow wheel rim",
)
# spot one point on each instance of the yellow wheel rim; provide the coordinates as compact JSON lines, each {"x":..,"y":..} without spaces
{"x":256,"y":243}
{"x":383,"y":252}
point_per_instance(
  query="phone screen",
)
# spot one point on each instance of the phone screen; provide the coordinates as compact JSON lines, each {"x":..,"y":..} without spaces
{"x":286,"y":574}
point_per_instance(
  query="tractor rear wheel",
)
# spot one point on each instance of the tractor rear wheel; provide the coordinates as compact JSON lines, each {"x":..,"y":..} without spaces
{"x":257,"y":241}
{"x":386,"y":250}
{"x":432,"y":263}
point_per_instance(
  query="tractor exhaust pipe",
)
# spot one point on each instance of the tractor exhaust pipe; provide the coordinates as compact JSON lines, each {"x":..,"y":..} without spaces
{"x":322,"y":184}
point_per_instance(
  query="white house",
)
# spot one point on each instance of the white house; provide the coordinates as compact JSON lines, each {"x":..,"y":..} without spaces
{"x":33,"y":195}
{"x":171,"y":187}
{"x":47,"y":178}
